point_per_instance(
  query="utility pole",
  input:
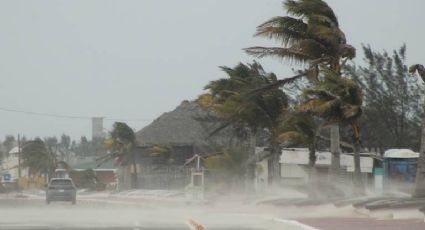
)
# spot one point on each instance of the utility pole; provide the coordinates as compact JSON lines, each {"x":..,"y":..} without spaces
{"x":19,"y":156}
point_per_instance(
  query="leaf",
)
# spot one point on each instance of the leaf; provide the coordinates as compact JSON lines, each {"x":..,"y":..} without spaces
{"x":292,"y":137}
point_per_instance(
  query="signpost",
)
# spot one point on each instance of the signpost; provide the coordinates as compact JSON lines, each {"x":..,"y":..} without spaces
{"x":7,"y":177}
{"x":195,"y":190}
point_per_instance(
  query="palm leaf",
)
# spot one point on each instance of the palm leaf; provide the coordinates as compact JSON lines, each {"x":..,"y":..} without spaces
{"x":279,"y":83}
{"x":290,"y":54}
{"x":286,"y":29}
{"x":293,"y":137}
{"x":309,"y":8}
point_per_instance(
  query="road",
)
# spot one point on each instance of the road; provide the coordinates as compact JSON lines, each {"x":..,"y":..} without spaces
{"x":106,"y":213}
{"x":35,"y":214}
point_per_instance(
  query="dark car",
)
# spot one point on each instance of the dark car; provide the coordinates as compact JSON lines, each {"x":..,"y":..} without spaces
{"x":61,"y":189}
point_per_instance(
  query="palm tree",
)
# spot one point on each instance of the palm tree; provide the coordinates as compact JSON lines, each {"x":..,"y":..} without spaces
{"x":310,"y":35}
{"x":420,"y":171}
{"x":232,"y":100}
{"x":338,"y":100}
{"x":40,"y":159}
{"x":301,"y":129}
{"x":121,"y":145}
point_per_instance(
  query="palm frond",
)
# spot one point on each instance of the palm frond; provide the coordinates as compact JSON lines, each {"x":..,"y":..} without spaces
{"x":347,"y":51}
{"x":290,"y":54}
{"x":312,"y":48}
{"x":292,"y":137}
{"x":320,"y":107}
{"x":279,"y":83}
{"x":319,"y":93}
{"x":309,"y":8}
{"x":286,"y":29}
{"x":351,"y":112}
{"x":221,"y":127}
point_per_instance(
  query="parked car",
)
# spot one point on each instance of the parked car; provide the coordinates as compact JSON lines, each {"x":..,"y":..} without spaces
{"x":61,"y":189}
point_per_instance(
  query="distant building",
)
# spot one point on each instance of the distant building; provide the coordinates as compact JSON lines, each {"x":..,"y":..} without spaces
{"x":9,"y":168}
{"x":97,"y":128}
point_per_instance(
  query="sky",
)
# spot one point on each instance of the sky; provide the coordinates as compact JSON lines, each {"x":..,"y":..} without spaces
{"x":132,"y":60}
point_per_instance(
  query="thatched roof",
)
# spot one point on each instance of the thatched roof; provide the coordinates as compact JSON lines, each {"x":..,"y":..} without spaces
{"x":189,"y":123}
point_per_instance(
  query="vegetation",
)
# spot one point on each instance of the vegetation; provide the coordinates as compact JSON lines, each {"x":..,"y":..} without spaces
{"x":121,"y":144}
{"x":300,"y":129}
{"x":9,"y":143}
{"x":420,"y":172}
{"x":227,"y":168}
{"x":310,"y":35}
{"x":39,"y":159}
{"x":232,"y":99}
{"x":392,"y":108}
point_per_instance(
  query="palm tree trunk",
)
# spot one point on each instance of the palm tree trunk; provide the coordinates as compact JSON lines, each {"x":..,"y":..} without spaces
{"x":420,"y":171}
{"x":134,"y":173}
{"x":334,"y":170}
{"x":312,"y":177}
{"x":250,"y":167}
{"x":274,"y":163}
{"x":359,"y":188}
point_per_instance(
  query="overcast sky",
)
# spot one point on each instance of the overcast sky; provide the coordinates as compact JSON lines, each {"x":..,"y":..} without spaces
{"x":137,"y":59}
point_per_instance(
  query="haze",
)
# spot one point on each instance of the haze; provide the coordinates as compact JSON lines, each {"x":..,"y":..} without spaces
{"x":135,"y":60}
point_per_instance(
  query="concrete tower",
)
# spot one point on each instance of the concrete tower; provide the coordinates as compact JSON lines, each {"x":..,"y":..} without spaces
{"x":97,"y":127}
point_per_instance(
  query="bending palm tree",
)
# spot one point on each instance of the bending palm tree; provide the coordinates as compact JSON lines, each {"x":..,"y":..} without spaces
{"x":310,"y":35}
{"x":420,"y":171}
{"x":338,"y":100}
{"x":40,"y":159}
{"x":121,"y":145}
{"x":232,"y":100}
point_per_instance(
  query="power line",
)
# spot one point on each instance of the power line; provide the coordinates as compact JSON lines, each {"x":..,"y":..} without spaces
{"x":44,"y":114}
{"x":67,"y":116}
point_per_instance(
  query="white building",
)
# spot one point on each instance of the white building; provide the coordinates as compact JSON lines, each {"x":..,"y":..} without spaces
{"x":9,"y":168}
{"x":294,"y":164}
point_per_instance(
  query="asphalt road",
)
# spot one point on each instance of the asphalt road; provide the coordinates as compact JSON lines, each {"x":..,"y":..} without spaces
{"x":35,"y":214}
{"x":112,"y":214}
